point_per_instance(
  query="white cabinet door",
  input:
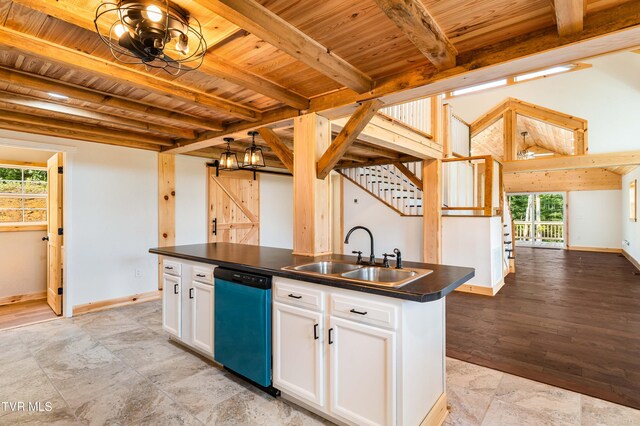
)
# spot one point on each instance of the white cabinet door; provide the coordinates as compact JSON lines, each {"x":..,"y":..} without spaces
{"x":298,"y":366}
{"x":362,"y":373}
{"x":171,"y":304}
{"x":202,"y":316}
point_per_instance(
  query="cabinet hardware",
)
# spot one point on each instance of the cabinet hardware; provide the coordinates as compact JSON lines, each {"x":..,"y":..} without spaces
{"x":330,"y":335}
{"x":200,"y":275}
{"x":175,"y":289}
{"x":215,"y":226}
{"x":168,"y":267}
{"x":315,"y":332}
{"x":191,"y":293}
{"x":353,"y":311}
{"x":293,"y":296}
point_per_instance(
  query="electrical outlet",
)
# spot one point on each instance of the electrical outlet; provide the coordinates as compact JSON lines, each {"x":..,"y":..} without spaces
{"x":138,"y":273}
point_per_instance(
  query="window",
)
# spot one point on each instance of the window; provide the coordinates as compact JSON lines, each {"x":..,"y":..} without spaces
{"x":23,"y":195}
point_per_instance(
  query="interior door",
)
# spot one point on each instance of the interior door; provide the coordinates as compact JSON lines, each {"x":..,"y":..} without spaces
{"x":54,"y":233}
{"x":234,"y":207}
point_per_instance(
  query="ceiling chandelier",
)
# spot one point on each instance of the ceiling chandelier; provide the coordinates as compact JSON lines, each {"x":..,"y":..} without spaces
{"x":253,"y":157}
{"x":156,"y":33}
{"x":228,"y":160}
{"x":525,"y":154}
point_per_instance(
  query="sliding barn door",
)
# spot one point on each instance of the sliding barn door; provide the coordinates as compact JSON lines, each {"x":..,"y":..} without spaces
{"x":54,"y":233}
{"x":234,"y":207}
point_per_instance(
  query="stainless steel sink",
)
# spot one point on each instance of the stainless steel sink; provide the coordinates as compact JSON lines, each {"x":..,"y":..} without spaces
{"x":372,"y":275}
{"x":326,"y":268}
{"x":383,"y":275}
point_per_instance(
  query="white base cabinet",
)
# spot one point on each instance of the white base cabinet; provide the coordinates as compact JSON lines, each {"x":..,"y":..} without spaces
{"x":188,"y":303}
{"x":357,"y":358}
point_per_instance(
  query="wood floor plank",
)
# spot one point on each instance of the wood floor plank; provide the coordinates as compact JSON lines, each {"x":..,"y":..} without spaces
{"x":567,"y":318}
{"x":25,"y":313}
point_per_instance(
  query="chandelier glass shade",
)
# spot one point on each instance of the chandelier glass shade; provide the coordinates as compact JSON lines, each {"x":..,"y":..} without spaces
{"x":156,"y":33}
{"x":253,"y":157}
{"x":228,"y":159}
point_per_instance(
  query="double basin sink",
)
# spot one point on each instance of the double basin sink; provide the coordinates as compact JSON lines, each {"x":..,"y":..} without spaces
{"x":365,"y":274}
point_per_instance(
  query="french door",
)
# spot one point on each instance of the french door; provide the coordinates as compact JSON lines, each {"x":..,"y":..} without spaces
{"x":539,"y":219}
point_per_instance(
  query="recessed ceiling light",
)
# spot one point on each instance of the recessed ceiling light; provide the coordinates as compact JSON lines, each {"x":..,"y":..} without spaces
{"x":57,"y":96}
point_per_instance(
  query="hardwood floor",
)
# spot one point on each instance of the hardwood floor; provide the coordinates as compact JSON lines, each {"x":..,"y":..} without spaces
{"x":566,"y":318}
{"x":24,"y":313}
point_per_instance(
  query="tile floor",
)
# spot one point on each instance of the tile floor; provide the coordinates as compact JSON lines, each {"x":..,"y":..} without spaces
{"x":117,"y":367}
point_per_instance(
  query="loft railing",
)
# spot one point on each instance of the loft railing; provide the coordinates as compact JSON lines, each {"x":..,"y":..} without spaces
{"x":415,"y":114}
{"x":474,"y":185}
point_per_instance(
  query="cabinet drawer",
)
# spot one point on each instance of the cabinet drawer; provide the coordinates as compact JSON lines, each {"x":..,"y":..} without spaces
{"x":202,"y":274}
{"x":365,"y":311}
{"x":172,"y":268}
{"x":292,"y":293}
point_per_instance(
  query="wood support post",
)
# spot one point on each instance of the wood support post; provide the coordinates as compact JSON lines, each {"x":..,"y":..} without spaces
{"x":488,"y":186}
{"x":436,"y":119}
{"x":432,"y":227}
{"x":510,"y":130}
{"x":446,"y":131}
{"x":166,"y":206}
{"x":311,"y":196}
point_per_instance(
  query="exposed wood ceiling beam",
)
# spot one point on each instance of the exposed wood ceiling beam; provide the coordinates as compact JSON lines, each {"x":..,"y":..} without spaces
{"x":59,"y":108}
{"x":261,"y":22}
{"x":562,"y":180}
{"x":569,"y":16}
{"x":75,"y":59}
{"x":9,"y":115}
{"x":43,"y":129}
{"x":375,"y":162}
{"x":212,"y":64}
{"x":348,"y":134}
{"x":604,"y":32}
{"x":629,"y":158}
{"x":424,"y":32}
{"x":45,"y":84}
{"x":409,"y":174}
{"x":279,"y":148}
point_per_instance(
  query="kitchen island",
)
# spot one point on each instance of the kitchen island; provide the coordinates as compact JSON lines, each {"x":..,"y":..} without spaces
{"x":355,"y":353}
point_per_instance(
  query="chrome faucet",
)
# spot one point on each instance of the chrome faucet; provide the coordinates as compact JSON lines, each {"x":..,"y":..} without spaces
{"x":372,"y":256}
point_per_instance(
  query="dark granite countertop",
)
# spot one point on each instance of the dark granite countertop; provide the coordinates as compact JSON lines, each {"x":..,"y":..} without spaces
{"x":270,"y":261}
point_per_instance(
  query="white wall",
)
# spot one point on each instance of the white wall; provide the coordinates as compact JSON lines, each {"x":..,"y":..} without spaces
{"x":474,"y":242}
{"x":607,"y":95}
{"x":191,"y":200}
{"x":23,"y":263}
{"x":276,"y":211}
{"x":594,"y":219}
{"x":112,"y":221}
{"x":630,"y":229}
{"x":390,"y":230}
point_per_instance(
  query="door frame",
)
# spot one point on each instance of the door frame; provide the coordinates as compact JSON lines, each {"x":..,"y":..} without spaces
{"x":565,"y":219}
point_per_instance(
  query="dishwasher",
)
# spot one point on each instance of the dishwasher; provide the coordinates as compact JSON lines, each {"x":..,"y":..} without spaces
{"x":242,"y":325}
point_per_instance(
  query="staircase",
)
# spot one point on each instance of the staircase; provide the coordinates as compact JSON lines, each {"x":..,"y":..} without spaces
{"x":390,"y":186}
{"x":508,"y":237}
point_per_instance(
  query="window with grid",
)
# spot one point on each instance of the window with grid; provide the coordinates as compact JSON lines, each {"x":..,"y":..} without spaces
{"x":23,"y":195}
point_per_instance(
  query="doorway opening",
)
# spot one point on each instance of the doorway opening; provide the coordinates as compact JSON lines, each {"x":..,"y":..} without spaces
{"x":31,"y":236}
{"x":539,"y":219}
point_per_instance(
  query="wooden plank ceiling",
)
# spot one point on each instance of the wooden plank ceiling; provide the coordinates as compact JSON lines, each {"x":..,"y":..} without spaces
{"x":267,"y":61}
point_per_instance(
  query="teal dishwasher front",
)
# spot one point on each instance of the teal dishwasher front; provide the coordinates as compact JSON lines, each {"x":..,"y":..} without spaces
{"x":242,"y":327}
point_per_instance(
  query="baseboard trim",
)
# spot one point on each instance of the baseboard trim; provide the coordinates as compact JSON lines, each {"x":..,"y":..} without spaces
{"x":631,"y":259}
{"x":117,"y":302}
{"x":481,"y":290}
{"x":8,"y":300}
{"x":596,"y":249}
{"x":438,"y":412}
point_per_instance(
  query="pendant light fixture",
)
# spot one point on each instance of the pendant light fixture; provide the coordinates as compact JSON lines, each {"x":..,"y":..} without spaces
{"x":228,"y":160}
{"x":156,"y":33}
{"x":253,"y":157}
